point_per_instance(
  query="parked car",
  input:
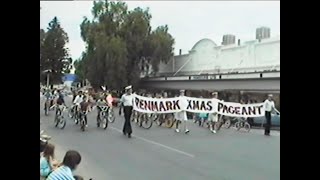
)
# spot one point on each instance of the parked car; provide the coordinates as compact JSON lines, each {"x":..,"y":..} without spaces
{"x":275,"y":120}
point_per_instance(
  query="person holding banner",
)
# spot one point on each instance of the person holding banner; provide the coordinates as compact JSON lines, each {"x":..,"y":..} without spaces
{"x":269,"y":107}
{"x":213,"y":117}
{"x":127,"y":101}
{"x":182,"y":116}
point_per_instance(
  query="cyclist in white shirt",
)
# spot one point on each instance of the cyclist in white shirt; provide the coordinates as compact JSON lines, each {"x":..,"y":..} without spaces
{"x":77,"y":101}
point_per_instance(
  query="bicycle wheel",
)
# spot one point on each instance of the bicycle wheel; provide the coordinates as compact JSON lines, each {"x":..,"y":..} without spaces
{"x":62,"y":123}
{"x":217,"y":126}
{"x":46,"y":108}
{"x":169,"y":122}
{"x":237,"y":125}
{"x":111,"y":117}
{"x":146,"y":122}
{"x":105,"y":122}
{"x":133,"y":116}
{"x":247,"y":126}
{"x":71,"y":113}
{"x":82,"y":125}
{"x":56,"y":121}
{"x":227,"y":123}
{"x":159,"y":119}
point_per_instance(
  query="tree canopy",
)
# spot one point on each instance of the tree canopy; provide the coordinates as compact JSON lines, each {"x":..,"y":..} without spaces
{"x":120,"y":45}
{"x":54,"y":56}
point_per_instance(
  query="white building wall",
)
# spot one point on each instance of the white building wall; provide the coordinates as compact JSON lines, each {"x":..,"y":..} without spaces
{"x":206,"y":57}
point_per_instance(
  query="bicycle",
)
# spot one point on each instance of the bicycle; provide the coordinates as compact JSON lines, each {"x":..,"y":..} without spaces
{"x":142,"y":119}
{"x":82,"y":117}
{"x":102,"y":118}
{"x":242,"y":123}
{"x":59,"y":119}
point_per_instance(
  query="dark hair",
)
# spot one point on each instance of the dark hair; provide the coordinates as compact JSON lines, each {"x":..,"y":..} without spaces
{"x":72,"y":159}
{"x":48,"y":151}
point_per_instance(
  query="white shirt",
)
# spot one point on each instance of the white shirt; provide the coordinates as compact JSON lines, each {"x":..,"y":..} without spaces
{"x":268,"y":105}
{"x":78,"y":100}
{"x":127,"y":100}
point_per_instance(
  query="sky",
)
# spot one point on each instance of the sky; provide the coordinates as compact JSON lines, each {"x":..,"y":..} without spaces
{"x":188,"y":21}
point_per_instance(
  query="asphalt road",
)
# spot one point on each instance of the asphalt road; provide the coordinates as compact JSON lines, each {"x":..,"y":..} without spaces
{"x":159,"y":153}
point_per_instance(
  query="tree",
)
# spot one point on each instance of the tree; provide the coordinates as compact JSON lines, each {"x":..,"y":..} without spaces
{"x":54,"y":55}
{"x":118,"y":41}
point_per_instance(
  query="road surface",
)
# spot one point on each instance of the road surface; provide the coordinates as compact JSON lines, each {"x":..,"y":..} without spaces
{"x":159,"y":153}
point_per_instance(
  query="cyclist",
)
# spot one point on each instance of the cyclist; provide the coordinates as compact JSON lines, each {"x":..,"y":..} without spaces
{"x":48,"y":97}
{"x":100,"y":102}
{"x":60,"y":100}
{"x":76,"y":102}
{"x":85,"y":108}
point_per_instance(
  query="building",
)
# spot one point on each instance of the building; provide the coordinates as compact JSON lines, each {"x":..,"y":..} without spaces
{"x":263,"y":33}
{"x":206,"y":57}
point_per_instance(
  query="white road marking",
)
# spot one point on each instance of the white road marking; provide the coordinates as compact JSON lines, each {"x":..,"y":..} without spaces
{"x":155,"y":143}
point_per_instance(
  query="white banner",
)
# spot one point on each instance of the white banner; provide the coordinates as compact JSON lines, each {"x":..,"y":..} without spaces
{"x":240,"y":110}
{"x":196,"y":105}
{"x":154,"y":105}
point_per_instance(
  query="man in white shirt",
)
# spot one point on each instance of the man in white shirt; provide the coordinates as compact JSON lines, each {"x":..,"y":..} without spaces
{"x":269,"y":107}
{"x":127,"y":101}
{"x":213,"y":117}
{"x":182,"y":117}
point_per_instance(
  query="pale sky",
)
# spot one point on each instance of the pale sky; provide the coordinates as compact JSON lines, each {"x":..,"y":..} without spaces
{"x":188,"y":21}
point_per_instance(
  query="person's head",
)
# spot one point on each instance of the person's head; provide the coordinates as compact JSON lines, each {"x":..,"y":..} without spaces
{"x":182,"y":92}
{"x":270,"y":97}
{"x":129,"y":89}
{"x":215,"y":95}
{"x":48,"y":151}
{"x":165,"y":95}
{"x":72,"y":159}
{"x":80,"y":93}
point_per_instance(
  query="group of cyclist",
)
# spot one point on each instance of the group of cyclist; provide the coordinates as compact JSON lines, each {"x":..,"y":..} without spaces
{"x":82,"y":101}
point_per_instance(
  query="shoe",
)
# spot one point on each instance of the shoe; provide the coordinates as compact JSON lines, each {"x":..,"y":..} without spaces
{"x":86,"y":125}
{"x":213,"y":131}
{"x":177,"y":130}
{"x":267,"y":134}
{"x":129,"y":135}
{"x":187,"y":131}
{"x":124,"y":133}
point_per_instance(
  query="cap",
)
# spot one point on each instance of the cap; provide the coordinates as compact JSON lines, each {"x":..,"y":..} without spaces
{"x":215,"y":93}
{"x":128,"y":87}
{"x":182,"y":90}
{"x":270,"y":95}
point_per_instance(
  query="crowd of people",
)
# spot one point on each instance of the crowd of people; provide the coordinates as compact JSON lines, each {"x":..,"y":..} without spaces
{"x":84,"y":101}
